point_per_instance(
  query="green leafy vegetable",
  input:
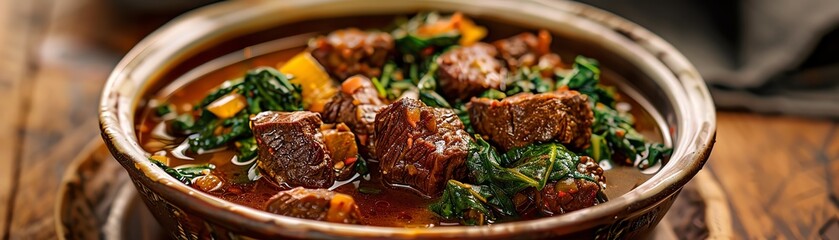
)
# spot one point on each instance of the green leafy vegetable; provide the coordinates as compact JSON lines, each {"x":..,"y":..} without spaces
{"x":163,"y":109}
{"x":462,"y":113}
{"x":527,"y":80}
{"x":585,"y":78}
{"x":369,"y":190}
{"x":264,"y":89}
{"x":502,"y":176}
{"x":461,"y":201}
{"x":614,"y":137}
{"x":493,"y":94}
{"x":185,"y":174}
{"x":409,"y":43}
{"x":361,"y":166}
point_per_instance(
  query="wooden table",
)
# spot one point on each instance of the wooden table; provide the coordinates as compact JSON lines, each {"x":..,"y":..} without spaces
{"x":780,"y":173}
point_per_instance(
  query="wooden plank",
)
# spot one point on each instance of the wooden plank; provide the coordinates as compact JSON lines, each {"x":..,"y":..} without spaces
{"x":13,"y":92}
{"x":66,"y":83}
{"x":777,"y":173}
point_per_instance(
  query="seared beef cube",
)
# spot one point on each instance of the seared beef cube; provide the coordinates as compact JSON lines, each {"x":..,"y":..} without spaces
{"x":356,"y":105}
{"x":563,"y":196}
{"x":291,"y":148}
{"x":467,"y":71}
{"x":420,"y":146}
{"x":341,"y":145}
{"x":526,"y":118}
{"x":348,"y":52}
{"x":527,"y":49}
{"x":315,"y":204}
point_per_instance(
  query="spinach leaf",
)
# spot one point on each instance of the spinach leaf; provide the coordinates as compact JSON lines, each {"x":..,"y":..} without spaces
{"x":499,"y":177}
{"x":493,"y":94}
{"x":526,"y":80}
{"x":361,"y":166}
{"x":163,"y":109}
{"x":585,"y":78}
{"x":264,"y":89}
{"x":409,"y":43}
{"x":614,"y":138}
{"x":462,"y":201}
{"x":185,"y":174}
{"x":462,"y":113}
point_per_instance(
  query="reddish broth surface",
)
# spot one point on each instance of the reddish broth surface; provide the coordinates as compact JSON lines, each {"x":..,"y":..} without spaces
{"x":392,"y":206}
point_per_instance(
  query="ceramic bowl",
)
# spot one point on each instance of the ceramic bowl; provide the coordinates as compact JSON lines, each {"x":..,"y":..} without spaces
{"x":661,"y":76}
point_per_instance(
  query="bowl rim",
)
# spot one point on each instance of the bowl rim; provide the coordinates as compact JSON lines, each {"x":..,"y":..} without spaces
{"x":669,"y":68}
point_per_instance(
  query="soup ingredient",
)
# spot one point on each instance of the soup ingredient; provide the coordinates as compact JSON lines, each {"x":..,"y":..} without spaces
{"x":342,"y":149}
{"x":614,"y":137}
{"x":461,"y":200}
{"x":350,"y":51}
{"x":557,"y":198}
{"x":263,"y":89}
{"x":163,"y":109}
{"x":470,"y":32}
{"x":315,"y":204}
{"x":317,"y":86}
{"x":504,"y":179}
{"x":585,"y":78}
{"x":425,"y":34}
{"x":526,"y":49}
{"x":185,"y":173}
{"x":532,"y":64}
{"x":468,"y":71}
{"x":420,"y":146}
{"x":292,"y":150}
{"x":208,"y":183}
{"x":526,"y":118}
{"x":227,"y":106}
{"x":356,"y":105}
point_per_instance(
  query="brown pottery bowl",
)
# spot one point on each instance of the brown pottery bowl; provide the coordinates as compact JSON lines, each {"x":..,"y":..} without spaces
{"x":652,"y":71}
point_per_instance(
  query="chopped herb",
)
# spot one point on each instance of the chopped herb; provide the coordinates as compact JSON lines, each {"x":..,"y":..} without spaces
{"x":493,"y":94}
{"x":185,"y":174}
{"x":463,"y":114}
{"x":163,"y":109}
{"x":369,"y":190}
{"x":585,"y":78}
{"x":361,"y":166}
{"x":461,"y":201}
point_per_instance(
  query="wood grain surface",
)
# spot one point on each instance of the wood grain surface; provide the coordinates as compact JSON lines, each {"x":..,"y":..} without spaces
{"x":15,"y":43}
{"x":780,"y":173}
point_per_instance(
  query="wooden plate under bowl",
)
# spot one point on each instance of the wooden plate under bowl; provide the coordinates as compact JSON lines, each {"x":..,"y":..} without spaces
{"x":96,"y":200}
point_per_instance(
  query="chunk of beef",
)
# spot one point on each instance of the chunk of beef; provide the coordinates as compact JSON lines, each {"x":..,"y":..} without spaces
{"x":348,"y":52}
{"x":526,"y":49}
{"x":563,"y":196}
{"x":356,"y":105}
{"x":292,"y":150}
{"x":467,"y":71}
{"x":526,"y":118}
{"x":342,"y":149}
{"x":315,"y":204}
{"x":420,"y":146}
